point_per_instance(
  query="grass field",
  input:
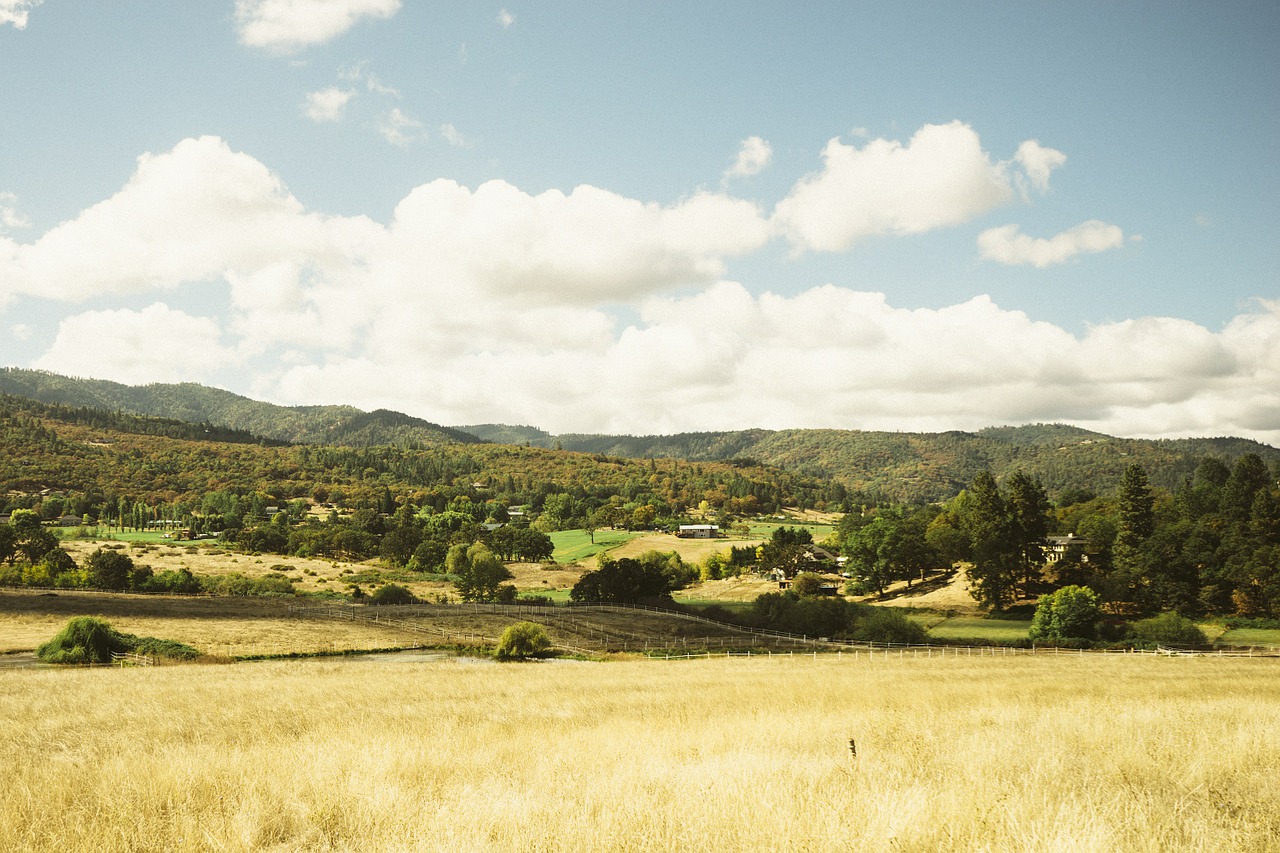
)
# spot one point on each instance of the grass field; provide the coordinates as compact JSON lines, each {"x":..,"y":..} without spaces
{"x":1250,"y":637}
{"x":1123,"y":753}
{"x":573,"y":546}
{"x":973,"y":628}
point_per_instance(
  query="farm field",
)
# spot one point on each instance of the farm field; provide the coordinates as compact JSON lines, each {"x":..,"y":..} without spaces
{"x":973,"y":628}
{"x":1001,"y":754}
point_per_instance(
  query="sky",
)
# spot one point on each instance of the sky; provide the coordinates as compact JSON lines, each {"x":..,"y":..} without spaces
{"x":655,"y":217}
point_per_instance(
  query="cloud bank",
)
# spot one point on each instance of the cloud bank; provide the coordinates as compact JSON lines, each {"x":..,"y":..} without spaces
{"x":590,"y":311}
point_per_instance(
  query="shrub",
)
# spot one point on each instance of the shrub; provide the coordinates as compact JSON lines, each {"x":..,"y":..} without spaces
{"x":1071,"y":612}
{"x":521,"y":641}
{"x":883,"y":625}
{"x":392,"y":593}
{"x":1169,"y":629}
{"x":85,"y":639}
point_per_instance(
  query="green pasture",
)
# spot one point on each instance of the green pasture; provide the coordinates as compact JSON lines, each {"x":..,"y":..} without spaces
{"x":973,"y":628}
{"x":764,"y":529}
{"x":102,"y":533}
{"x":574,"y":545}
{"x":1250,"y":637}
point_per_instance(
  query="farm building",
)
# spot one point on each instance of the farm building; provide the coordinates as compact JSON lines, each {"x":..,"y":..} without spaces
{"x":699,"y":531}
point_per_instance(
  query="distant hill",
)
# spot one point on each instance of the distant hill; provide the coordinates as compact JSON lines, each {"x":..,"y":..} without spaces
{"x":930,"y":466}
{"x":892,"y":465}
{"x":187,"y":401}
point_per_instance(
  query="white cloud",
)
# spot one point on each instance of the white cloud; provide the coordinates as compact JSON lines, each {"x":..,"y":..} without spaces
{"x":1038,"y":163}
{"x":753,"y":156}
{"x":453,"y":136}
{"x":506,"y":19}
{"x":942,"y":177}
{"x":156,"y":344}
{"x":10,"y":217}
{"x":286,"y":26}
{"x":17,"y":12}
{"x":328,"y":105}
{"x":1008,"y":245}
{"x":492,"y":304}
{"x":399,"y":129}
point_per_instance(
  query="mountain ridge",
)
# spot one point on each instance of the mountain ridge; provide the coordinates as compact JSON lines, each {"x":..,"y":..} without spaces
{"x":893,"y":465}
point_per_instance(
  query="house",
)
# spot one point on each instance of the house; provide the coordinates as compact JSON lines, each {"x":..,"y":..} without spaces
{"x":699,"y":531}
{"x":1057,"y":548}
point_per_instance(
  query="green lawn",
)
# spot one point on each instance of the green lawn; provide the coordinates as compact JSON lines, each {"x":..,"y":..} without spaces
{"x":764,"y":529}
{"x":574,"y":545}
{"x":1250,"y":637}
{"x":124,"y":536}
{"x":973,"y":628}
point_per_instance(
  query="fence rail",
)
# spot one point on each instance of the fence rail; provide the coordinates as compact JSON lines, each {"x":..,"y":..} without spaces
{"x":131,"y":659}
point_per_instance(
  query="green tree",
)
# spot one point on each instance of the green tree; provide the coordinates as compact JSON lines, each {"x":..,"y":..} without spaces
{"x":521,"y":641}
{"x":1068,"y":613}
{"x":624,"y":581}
{"x":478,"y":572}
{"x":994,"y":544}
{"x":1029,"y":506}
{"x":1169,"y":629}
{"x":109,"y":569}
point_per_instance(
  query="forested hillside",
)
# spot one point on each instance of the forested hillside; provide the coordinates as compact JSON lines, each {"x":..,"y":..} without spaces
{"x":199,"y":404}
{"x":98,"y":459}
{"x":910,"y":467}
{"x":882,"y":466}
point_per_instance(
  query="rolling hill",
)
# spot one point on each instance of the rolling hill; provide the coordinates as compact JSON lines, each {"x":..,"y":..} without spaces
{"x":880,"y":465}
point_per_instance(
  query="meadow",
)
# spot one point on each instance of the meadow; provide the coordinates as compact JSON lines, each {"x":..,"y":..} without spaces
{"x":1094,"y":753}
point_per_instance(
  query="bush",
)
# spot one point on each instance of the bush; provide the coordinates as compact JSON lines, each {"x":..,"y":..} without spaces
{"x":1169,"y":629}
{"x":883,"y":625}
{"x":521,"y":641}
{"x":85,"y":639}
{"x":1068,"y":613}
{"x":392,"y":593}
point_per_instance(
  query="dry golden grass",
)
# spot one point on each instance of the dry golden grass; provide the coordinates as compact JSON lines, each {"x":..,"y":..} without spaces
{"x":1029,"y":754}
{"x":216,"y":626}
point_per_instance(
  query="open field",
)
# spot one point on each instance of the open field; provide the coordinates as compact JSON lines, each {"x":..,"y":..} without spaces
{"x":973,"y":628}
{"x":1110,"y":753}
{"x":577,"y":546}
{"x":216,"y":626}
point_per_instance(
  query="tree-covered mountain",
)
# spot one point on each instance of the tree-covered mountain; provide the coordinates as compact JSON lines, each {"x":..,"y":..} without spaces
{"x":909,"y":467}
{"x":199,"y":404}
{"x":902,"y":467}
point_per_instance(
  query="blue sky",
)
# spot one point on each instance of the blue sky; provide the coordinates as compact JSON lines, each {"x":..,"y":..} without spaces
{"x":655,"y":217}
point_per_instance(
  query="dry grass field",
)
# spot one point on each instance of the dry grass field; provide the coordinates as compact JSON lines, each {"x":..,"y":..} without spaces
{"x":1119,"y":753}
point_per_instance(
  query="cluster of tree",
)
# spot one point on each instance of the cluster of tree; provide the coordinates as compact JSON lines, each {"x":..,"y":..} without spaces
{"x":649,"y":578}
{"x":1071,"y":616}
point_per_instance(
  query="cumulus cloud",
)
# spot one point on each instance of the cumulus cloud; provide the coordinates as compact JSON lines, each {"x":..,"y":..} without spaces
{"x":156,"y":344}
{"x":493,"y":304}
{"x":286,"y":26}
{"x":1008,"y":245}
{"x":399,"y":129}
{"x":17,"y":12}
{"x":327,"y":105}
{"x":942,"y":177}
{"x":1038,"y":163}
{"x":753,"y":156}
{"x":506,"y":19}
{"x":10,"y":217}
